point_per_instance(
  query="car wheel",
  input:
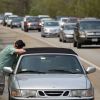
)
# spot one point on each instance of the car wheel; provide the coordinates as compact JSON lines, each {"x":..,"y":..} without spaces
{"x":42,"y":36}
{"x":39,"y":30}
{"x":11,"y":26}
{"x":9,"y":98}
{"x":75,"y":44}
{"x":64,"y":41}
{"x":26,"y":30}
{"x":60,"y":39}
{"x":21,"y":28}
{"x":78,"y":45}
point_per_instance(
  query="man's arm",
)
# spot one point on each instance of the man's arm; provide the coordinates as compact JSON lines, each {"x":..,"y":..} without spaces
{"x":19,"y":51}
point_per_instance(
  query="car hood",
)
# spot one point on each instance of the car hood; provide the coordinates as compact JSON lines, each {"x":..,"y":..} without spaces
{"x":51,"y":81}
{"x":69,"y":31}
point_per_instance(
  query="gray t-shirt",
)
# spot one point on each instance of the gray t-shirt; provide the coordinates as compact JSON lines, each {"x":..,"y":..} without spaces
{"x":7,"y":56}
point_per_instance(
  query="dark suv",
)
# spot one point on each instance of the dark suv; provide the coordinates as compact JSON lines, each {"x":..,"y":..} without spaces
{"x":87,"y":32}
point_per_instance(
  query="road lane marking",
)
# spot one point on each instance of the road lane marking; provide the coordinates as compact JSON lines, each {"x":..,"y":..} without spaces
{"x":86,"y":61}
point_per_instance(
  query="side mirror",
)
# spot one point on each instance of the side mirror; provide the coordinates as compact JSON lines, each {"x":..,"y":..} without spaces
{"x":90,"y":70}
{"x":8,"y":70}
{"x":61,"y":29}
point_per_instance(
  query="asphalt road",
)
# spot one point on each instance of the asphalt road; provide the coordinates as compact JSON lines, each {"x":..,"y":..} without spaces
{"x":89,"y":55}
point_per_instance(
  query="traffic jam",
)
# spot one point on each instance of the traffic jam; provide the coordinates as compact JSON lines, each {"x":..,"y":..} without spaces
{"x":55,"y":72}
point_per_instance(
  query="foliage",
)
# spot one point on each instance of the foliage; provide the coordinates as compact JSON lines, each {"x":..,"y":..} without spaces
{"x":80,"y":8}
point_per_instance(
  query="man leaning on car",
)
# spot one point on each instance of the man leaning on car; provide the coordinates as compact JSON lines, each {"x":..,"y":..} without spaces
{"x":7,"y":58}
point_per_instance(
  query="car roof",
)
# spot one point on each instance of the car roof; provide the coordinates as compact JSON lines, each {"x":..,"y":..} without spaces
{"x":49,"y":50}
{"x":46,"y":19}
{"x":66,"y":24}
{"x":13,"y":16}
{"x":51,"y":21}
{"x":89,"y":20}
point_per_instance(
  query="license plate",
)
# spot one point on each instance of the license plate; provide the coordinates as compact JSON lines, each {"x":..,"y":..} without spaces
{"x":94,"y":40}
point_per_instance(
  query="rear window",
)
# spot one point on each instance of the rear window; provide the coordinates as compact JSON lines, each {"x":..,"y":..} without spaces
{"x":51,"y":24}
{"x":89,"y":25}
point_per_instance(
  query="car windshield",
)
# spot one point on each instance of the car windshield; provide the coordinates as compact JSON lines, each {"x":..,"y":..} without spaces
{"x":17,"y":19}
{"x":51,"y":24}
{"x":10,"y":18}
{"x":48,"y":64}
{"x":64,"y":20}
{"x":69,"y":27}
{"x":32,"y":19}
{"x":89,"y":25}
{"x":72,"y":20}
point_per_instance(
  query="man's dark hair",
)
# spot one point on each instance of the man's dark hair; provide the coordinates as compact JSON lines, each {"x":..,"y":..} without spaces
{"x":19,"y":44}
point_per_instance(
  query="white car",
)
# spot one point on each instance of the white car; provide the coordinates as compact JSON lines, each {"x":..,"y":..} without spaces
{"x":10,"y":18}
{"x":6,"y":15}
{"x":63,"y":21}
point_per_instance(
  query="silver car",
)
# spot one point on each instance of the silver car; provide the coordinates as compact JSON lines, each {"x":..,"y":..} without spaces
{"x":49,"y":74}
{"x":67,"y":33}
{"x":50,"y":28}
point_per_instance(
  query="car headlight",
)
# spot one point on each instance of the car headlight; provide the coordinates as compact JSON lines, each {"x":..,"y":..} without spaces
{"x":82,"y":93}
{"x":24,"y":93}
{"x":82,"y":34}
{"x":46,"y":30}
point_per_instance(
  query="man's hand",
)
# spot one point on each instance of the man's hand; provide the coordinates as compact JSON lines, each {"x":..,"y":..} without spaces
{"x":20,"y":51}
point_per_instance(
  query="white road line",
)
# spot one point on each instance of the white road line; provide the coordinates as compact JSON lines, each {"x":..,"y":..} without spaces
{"x":90,"y":63}
{"x":58,"y":46}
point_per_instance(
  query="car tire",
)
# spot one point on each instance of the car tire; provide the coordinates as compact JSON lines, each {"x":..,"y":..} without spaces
{"x":25,"y":30}
{"x":21,"y":28}
{"x":78,"y":45}
{"x":74,"y":44}
{"x":9,"y":98}
{"x":64,"y":41}
{"x":39,"y":30}
{"x":60,"y":39}
{"x":42,"y":36}
{"x":11,"y":26}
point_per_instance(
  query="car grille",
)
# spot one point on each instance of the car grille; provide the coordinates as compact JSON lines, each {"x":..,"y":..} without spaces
{"x":53,"y":93}
{"x":95,"y":34}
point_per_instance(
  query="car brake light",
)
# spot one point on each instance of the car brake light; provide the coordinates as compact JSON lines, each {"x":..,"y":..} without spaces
{"x":29,"y":24}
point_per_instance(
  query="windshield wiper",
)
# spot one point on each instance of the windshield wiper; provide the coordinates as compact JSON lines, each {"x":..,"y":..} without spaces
{"x":31,"y":71}
{"x":61,"y":71}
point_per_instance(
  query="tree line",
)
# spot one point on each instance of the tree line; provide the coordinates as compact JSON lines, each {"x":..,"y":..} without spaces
{"x":78,"y":8}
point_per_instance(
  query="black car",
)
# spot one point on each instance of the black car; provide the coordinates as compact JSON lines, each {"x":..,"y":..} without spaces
{"x":87,"y":31}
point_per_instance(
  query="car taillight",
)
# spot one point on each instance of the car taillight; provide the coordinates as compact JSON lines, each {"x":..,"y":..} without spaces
{"x":29,"y":24}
